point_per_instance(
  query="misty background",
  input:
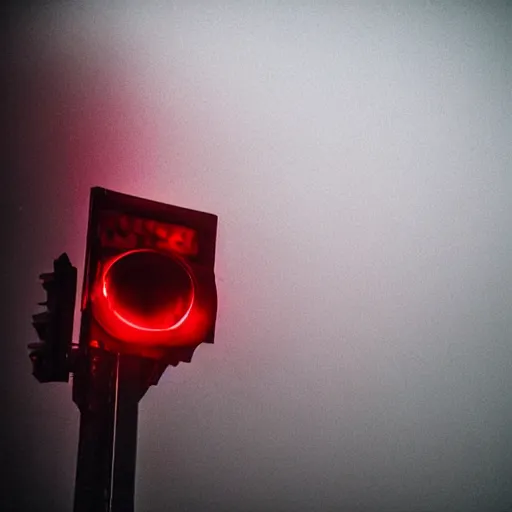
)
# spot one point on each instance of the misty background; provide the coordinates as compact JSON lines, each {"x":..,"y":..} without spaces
{"x":358,"y":157}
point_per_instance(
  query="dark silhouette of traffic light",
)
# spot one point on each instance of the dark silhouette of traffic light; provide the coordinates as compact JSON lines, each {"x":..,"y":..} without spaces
{"x":54,"y":327}
{"x":148,"y":301}
{"x":149,"y":286}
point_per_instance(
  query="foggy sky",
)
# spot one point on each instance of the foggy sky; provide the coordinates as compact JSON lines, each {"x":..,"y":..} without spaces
{"x":358,"y":157}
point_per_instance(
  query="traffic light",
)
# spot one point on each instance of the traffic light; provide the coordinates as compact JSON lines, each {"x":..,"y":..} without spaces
{"x":148,"y":301}
{"x":149,"y":286}
{"x":54,"y":327}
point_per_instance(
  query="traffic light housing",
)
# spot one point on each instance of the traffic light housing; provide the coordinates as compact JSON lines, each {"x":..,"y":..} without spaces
{"x":54,"y":327}
{"x":149,"y":286}
{"x":148,"y":300}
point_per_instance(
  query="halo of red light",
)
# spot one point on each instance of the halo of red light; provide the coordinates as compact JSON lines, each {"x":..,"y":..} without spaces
{"x":118,"y":325}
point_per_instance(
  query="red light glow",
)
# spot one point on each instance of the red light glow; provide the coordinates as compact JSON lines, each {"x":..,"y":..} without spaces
{"x":145,"y":291}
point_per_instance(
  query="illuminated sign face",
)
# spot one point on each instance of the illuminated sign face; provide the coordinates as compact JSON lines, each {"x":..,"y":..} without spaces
{"x":150,"y":275}
{"x":129,"y":232}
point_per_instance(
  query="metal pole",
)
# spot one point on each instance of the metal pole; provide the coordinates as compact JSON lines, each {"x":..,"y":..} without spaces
{"x":107,"y":389}
{"x":94,"y":393}
{"x":129,"y":391}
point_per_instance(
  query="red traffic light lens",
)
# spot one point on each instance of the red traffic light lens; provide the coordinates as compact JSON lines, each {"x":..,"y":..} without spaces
{"x":148,"y":290}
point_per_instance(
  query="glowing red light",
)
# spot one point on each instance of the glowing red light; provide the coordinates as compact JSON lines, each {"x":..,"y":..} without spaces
{"x":147,"y":291}
{"x":149,"y":284}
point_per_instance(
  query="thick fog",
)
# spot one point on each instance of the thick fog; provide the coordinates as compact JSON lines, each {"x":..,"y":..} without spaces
{"x":358,"y":156}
